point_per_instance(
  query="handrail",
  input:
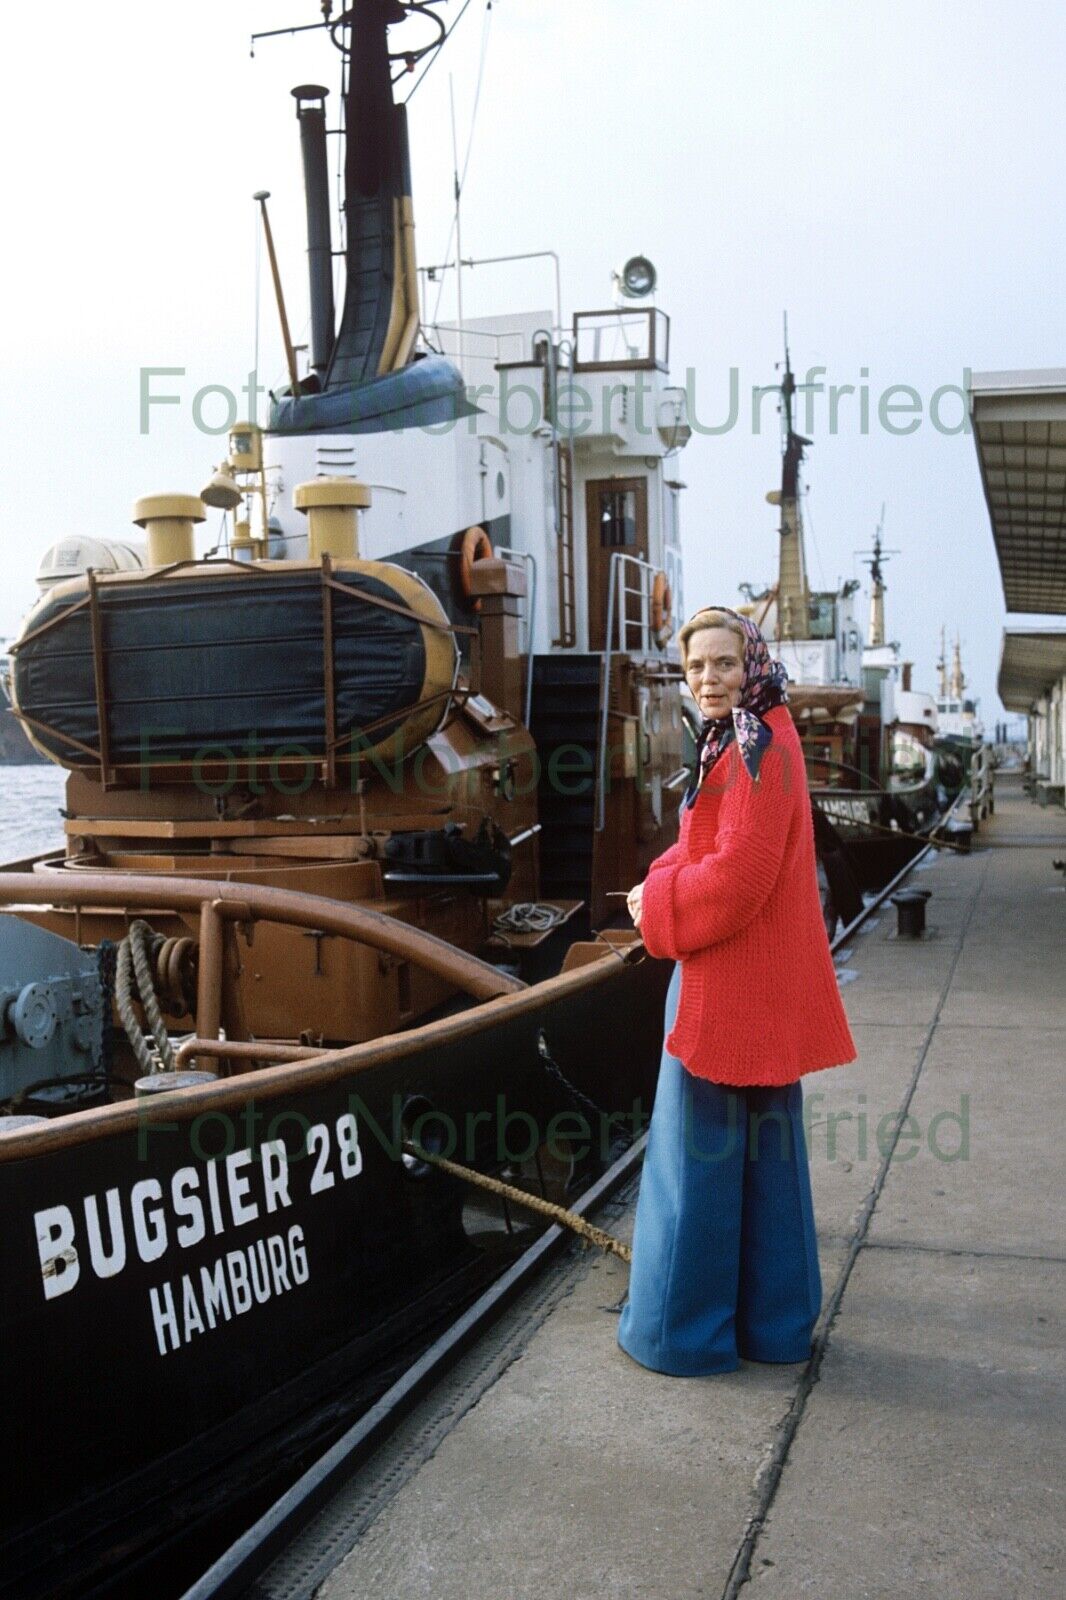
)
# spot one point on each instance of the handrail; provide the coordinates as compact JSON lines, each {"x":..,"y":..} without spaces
{"x":615,"y":582}
{"x":237,"y":902}
{"x":492,"y":261}
{"x":981,"y":784}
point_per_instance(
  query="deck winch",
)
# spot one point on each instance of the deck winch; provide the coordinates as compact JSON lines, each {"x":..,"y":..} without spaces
{"x":51,"y":1028}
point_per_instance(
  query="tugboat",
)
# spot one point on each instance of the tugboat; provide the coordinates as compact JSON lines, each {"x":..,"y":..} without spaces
{"x":867,"y":734}
{"x":349,"y":806}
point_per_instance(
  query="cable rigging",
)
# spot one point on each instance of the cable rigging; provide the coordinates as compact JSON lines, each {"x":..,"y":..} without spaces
{"x":460,"y":178}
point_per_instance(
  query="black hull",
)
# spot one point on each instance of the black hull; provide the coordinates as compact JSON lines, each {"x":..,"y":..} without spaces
{"x":878,"y":833}
{"x":264,"y":1299}
{"x":953,"y":756}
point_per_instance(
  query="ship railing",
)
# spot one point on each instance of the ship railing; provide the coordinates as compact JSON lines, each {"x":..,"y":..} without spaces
{"x":221,"y":907}
{"x":459,"y":341}
{"x":625,"y":633}
{"x":982,"y":798}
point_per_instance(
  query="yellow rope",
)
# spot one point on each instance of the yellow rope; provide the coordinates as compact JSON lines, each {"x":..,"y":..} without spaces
{"x":933,"y":837}
{"x":532,"y":1202}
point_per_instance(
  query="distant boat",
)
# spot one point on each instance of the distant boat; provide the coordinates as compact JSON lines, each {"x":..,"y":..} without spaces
{"x":960,"y":731}
{"x":867,"y":734}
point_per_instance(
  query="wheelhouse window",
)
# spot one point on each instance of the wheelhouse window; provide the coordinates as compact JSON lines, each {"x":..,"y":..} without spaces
{"x":618,"y":519}
{"x":823,"y":616}
{"x":908,"y":761}
{"x":605,"y":340}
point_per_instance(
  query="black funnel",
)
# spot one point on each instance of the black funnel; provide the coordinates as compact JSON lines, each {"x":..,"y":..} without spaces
{"x":377,"y":189}
{"x":311,"y":112}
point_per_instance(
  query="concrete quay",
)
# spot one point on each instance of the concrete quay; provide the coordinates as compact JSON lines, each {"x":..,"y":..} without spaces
{"x":920,"y":1450}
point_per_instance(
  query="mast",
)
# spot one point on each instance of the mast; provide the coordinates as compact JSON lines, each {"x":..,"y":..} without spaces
{"x":958,"y":682}
{"x":877,"y":590}
{"x":793,"y":592}
{"x":942,"y":663}
{"x":875,"y":559}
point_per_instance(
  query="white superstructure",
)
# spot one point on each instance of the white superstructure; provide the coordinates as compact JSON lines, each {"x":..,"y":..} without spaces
{"x":568,"y":458}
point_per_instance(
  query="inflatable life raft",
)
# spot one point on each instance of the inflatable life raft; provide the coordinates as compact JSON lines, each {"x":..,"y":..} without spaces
{"x":156,"y":672}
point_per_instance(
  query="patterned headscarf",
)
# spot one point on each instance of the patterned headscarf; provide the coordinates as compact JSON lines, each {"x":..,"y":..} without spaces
{"x":762,"y":688}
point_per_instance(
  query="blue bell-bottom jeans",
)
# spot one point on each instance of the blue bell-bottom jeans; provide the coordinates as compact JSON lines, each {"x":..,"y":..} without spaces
{"x":725,"y":1258}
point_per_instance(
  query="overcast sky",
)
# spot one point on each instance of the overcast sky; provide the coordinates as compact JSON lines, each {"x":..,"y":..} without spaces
{"x":889,"y":174}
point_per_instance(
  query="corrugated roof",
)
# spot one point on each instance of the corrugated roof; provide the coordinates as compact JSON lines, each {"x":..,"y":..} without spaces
{"x":1019,"y":424}
{"x":1031,"y":661}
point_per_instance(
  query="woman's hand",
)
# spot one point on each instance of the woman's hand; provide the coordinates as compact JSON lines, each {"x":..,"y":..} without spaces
{"x":634,"y":902}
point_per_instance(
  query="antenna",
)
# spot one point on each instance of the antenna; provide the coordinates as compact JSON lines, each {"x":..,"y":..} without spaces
{"x":875,"y":560}
{"x":458,"y":225}
{"x":787,"y":388}
{"x":788,"y":381}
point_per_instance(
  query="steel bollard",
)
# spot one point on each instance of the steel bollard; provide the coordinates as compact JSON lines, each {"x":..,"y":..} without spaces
{"x":910,"y":912}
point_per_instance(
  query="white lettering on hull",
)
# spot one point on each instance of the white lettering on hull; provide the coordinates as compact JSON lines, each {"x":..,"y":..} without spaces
{"x":201,"y":1302}
{"x":211,"y":1199}
{"x":846,"y":810}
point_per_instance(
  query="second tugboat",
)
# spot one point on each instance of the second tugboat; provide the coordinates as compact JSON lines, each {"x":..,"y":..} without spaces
{"x":866,"y":733}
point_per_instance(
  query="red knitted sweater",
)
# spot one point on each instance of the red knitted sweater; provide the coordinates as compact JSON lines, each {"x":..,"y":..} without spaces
{"x":736,"y":902}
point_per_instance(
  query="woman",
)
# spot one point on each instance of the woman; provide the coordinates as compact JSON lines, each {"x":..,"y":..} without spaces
{"x":725,"y":1259}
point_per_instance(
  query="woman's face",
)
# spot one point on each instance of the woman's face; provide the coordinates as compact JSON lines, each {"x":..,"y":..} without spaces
{"x":715,"y":670}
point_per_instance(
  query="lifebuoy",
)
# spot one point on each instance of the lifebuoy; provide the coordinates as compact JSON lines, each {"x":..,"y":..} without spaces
{"x":476,"y":546}
{"x":662,"y":606}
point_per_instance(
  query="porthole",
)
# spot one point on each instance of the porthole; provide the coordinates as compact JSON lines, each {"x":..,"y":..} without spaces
{"x":422,"y":1124}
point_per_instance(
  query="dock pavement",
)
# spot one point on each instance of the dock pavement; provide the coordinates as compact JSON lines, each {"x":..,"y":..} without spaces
{"x":920,"y":1450}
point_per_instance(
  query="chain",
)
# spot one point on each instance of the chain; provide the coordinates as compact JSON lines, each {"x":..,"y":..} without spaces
{"x":106,"y":960}
{"x":553,"y":1069}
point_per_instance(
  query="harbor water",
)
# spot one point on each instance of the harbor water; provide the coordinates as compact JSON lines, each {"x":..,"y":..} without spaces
{"x":31,"y":821}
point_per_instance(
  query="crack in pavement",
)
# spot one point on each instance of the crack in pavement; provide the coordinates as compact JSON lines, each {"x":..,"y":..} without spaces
{"x":740,"y":1570}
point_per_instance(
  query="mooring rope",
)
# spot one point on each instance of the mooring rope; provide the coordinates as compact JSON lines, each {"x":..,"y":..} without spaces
{"x":124,"y":1000}
{"x":134,"y":961}
{"x":933,"y":837}
{"x":532,"y":1202}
